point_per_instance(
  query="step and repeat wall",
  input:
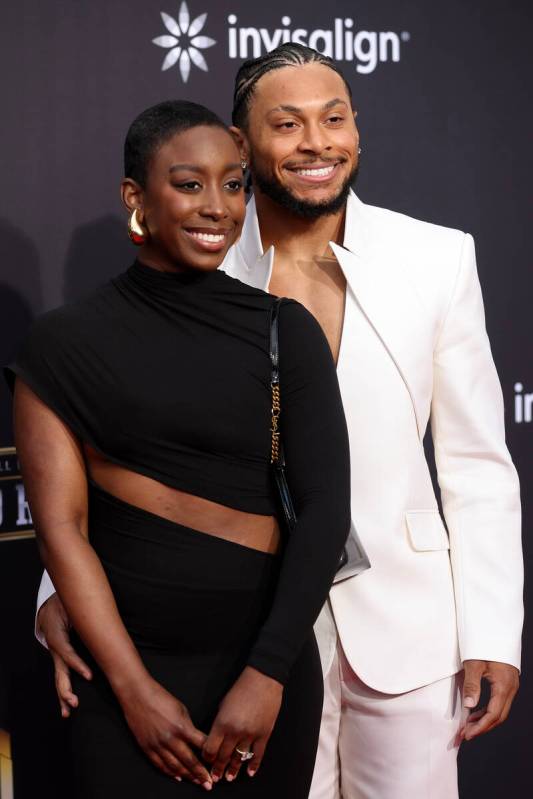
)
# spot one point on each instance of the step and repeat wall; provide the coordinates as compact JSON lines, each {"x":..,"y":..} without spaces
{"x":442,"y":91}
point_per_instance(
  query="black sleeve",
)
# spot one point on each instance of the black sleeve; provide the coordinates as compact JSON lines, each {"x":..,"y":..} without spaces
{"x":49,"y":362}
{"x":315,"y":439}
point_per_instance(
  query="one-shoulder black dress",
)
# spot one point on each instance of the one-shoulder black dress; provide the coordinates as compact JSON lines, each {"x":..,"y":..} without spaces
{"x":168,"y":375}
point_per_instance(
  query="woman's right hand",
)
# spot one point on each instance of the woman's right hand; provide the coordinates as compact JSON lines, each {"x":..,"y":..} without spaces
{"x":164,"y":730}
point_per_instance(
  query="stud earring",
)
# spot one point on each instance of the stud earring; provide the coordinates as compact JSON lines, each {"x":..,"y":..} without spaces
{"x":244,"y":165}
{"x":359,"y":151}
{"x":135,"y":231}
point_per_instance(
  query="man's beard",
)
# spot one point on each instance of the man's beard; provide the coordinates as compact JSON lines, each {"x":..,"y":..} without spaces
{"x":304,"y":209}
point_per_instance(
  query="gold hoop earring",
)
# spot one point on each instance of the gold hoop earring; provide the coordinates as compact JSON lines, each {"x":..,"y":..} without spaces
{"x":135,"y":231}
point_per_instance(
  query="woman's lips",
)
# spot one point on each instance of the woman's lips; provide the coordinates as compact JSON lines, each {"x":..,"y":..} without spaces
{"x":210,"y":241}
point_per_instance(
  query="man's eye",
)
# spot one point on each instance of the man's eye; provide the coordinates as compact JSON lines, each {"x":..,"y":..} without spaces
{"x":287,"y":125}
{"x":336,"y":118}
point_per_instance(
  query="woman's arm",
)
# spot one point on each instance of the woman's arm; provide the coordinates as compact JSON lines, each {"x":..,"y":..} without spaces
{"x":55,"y":478}
{"x":315,"y":439}
{"x":316,"y":446}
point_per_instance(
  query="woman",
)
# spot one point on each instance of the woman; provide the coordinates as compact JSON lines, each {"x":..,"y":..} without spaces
{"x":142,"y":418}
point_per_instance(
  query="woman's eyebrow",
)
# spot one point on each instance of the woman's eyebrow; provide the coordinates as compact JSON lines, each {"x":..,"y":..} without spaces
{"x":199,"y":169}
{"x":188,"y":167}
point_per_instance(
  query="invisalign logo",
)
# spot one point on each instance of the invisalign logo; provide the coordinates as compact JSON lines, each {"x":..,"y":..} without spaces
{"x":523,"y":405}
{"x":183,"y":42}
{"x":342,"y":42}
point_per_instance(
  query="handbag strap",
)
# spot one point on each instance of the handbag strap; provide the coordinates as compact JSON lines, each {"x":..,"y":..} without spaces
{"x":276,"y":454}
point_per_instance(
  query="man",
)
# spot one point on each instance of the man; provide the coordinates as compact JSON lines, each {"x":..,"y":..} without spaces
{"x":400,"y":304}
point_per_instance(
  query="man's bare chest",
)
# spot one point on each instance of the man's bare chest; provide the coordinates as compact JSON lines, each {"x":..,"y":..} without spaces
{"x":322,"y":290}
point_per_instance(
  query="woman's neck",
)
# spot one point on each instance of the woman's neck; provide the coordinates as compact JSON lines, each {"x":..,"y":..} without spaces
{"x":148,"y":257}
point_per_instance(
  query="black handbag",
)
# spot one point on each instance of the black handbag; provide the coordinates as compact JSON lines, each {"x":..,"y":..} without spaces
{"x":354,"y":559}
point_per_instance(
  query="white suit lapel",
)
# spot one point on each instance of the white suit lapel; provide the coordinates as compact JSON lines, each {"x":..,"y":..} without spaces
{"x":246,"y":261}
{"x":381,"y":287}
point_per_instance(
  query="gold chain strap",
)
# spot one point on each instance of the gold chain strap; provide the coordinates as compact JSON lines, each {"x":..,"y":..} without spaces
{"x":274,"y":456}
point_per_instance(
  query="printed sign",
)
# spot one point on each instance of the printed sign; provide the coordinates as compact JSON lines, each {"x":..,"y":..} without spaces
{"x":15,"y":517}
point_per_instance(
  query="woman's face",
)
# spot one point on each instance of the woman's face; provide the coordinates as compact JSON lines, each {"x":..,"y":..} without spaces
{"x":193,"y":202}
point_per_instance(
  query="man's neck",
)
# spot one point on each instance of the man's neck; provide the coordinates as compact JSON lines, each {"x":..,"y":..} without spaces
{"x":293,"y":237}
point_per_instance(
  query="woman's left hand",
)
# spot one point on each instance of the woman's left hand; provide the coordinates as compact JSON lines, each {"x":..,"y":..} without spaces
{"x":244,"y":721}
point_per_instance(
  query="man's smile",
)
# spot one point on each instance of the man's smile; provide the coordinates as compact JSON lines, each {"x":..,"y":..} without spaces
{"x":317,"y":172}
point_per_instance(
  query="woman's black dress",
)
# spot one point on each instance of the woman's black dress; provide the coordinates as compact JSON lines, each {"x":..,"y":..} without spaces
{"x":168,"y":375}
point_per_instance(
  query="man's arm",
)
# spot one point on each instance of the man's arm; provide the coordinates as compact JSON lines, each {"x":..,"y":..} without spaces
{"x":480,"y":496}
{"x":46,"y":590}
{"x":54,"y":626}
{"x":52,"y":630}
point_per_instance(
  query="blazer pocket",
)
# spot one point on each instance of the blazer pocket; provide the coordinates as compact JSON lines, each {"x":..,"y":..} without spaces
{"x":426,"y":530}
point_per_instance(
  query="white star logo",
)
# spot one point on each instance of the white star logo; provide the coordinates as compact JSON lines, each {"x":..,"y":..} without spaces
{"x":184,"y":44}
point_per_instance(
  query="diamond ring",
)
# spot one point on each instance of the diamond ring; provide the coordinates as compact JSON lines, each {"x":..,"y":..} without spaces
{"x":244,"y":754}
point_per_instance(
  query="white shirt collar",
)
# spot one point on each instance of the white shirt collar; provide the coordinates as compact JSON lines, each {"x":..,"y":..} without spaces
{"x":248,"y":262}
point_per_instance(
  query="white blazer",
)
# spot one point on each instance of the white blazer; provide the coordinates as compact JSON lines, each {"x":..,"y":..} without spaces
{"x":414,"y":348}
{"x":414,"y":330}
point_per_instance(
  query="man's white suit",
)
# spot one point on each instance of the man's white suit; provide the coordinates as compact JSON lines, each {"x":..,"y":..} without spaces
{"x":414,"y":348}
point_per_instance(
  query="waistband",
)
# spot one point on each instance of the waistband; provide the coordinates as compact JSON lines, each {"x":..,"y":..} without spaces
{"x":177,"y":588}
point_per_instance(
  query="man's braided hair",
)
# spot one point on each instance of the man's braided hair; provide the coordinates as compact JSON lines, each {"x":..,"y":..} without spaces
{"x":286,"y":55}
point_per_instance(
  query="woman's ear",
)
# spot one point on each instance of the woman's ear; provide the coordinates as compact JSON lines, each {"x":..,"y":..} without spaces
{"x":132,"y":194}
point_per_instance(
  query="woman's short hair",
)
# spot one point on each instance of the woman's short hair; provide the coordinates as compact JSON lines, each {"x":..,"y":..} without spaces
{"x":155,"y":126}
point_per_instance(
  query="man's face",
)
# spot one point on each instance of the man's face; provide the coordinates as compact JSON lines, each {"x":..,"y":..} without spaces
{"x":302,"y":139}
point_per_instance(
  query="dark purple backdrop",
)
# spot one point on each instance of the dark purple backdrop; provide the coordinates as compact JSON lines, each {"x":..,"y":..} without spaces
{"x":445,"y":118}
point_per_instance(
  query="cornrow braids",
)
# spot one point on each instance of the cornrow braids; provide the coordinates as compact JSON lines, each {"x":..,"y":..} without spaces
{"x":289,"y":54}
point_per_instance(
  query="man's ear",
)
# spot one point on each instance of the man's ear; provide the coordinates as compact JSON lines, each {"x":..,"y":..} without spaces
{"x":356,"y":128}
{"x":241,"y":142}
{"x":132,"y":194}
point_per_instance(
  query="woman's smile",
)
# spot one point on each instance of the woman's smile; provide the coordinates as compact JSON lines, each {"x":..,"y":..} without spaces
{"x":210,"y":239}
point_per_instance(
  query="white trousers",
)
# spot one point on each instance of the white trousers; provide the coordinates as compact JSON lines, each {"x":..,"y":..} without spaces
{"x":383,"y":746}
